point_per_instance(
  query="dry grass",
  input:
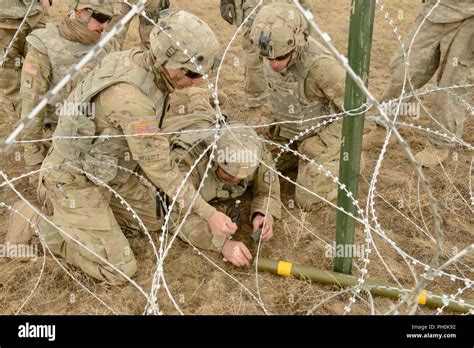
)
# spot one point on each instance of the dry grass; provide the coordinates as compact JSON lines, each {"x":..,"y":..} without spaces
{"x":200,"y":288}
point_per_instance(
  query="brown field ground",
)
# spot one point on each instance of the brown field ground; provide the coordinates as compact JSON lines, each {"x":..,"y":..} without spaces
{"x":201,"y":288}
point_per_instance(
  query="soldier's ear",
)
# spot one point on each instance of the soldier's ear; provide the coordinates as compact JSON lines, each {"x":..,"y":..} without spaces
{"x":77,"y":14}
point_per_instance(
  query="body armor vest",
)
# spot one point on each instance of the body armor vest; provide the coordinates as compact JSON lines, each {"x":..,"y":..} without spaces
{"x":17,"y":9}
{"x":62,"y":55}
{"x":287,"y":93}
{"x":95,"y":154}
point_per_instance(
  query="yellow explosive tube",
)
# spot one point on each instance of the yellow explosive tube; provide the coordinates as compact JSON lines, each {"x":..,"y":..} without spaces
{"x":376,"y":287}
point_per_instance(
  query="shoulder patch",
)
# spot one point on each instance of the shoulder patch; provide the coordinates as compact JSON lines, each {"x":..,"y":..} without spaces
{"x":36,"y":39}
{"x":31,"y":69}
{"x":146,"y":129}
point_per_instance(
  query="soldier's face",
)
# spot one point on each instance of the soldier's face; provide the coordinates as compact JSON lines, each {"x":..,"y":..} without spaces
{"x":227,"y":177}
{"x":95,"y":25}
{"x":187,"y":80}
{"x":279,"y":64}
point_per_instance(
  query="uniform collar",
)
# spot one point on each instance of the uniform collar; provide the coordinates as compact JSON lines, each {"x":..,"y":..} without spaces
{"x":163,"y":79}
{"x":160,"y":73}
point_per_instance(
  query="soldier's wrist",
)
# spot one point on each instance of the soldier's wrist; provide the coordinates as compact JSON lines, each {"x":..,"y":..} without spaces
{"x":218,"y":243}
{"x":255,"y":214}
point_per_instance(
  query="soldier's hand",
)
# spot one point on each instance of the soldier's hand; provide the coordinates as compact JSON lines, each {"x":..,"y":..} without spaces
{"x":228,"y":11}
{"x":237,"y":253}
{"x":221,"y":224}
{"x":258,"y":222}
{"x":164,"y":4}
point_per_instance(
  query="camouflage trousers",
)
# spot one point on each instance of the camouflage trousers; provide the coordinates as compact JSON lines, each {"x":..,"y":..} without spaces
{"x":324,"y":148}
{"x":144,"y":28}
{"x":196,"y":230}
{"x":90,"y":214}
{"x":10,"y":70}
{"x":447,"y":48}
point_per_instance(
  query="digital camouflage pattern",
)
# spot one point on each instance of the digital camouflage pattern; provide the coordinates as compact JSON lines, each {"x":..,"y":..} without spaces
{"x":130,"y":97}
{"x":106,"y":7}
{"x":193,"y":34}
{"x":255,"y":88}
{"x":49,"y":58}
{"x":11,"y":14}
{"x":186,"y":149}
{"x":448,"y":11}
{"x":311,"y":87}
{"x":444,"y":43}
{"x":152,"y":9}
{"x":18,"y":9}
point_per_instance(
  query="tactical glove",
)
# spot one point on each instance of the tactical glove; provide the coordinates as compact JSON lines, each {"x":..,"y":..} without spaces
{"x":228,"y":11}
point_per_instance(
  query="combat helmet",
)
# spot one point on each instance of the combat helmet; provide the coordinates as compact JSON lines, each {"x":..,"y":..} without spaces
{"x":239,"y":152}
{"x":278,"y":30}
{"x":183,"y":40}
{"x":107,"y":8}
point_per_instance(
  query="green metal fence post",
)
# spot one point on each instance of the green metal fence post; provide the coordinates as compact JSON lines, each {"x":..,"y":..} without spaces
{"x":360,"y":44}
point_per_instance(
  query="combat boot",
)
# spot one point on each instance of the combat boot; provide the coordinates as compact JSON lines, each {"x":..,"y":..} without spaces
{"x":431,"y":157}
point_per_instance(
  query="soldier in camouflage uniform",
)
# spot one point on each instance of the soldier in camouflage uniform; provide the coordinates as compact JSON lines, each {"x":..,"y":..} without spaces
{"x":152,"y":9}
{"x":443,"y":43}
{"x":52,"y":51}
{"x":12,"y":13}
{"x":305,"y":84}
{"x":235,"y":12}
{"x":130,"y":92}
{"x":236,"y":168}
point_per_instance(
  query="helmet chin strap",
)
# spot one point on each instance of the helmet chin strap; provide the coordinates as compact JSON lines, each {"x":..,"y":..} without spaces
{"x":173,"y":80}
{"x":295,"y":55}
{"x":159,"y":69}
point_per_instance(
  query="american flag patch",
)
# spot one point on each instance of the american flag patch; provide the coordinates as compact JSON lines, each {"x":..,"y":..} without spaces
{"x":31,"y":69}
{"x":142,"y":129}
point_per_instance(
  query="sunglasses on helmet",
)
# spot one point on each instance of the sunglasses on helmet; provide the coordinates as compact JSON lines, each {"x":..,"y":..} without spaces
{"x":192,"y":74}
{"x":100,"y":17}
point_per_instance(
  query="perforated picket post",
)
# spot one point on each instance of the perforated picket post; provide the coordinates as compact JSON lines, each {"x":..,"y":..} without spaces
{"x":360,"y":44}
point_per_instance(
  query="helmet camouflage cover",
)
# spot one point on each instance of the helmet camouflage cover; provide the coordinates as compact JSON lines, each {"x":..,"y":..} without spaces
{"x":183,"y":40}
{"x":239,"y":152}
{"x":278,"y":30}
{"x":106,"y":7}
